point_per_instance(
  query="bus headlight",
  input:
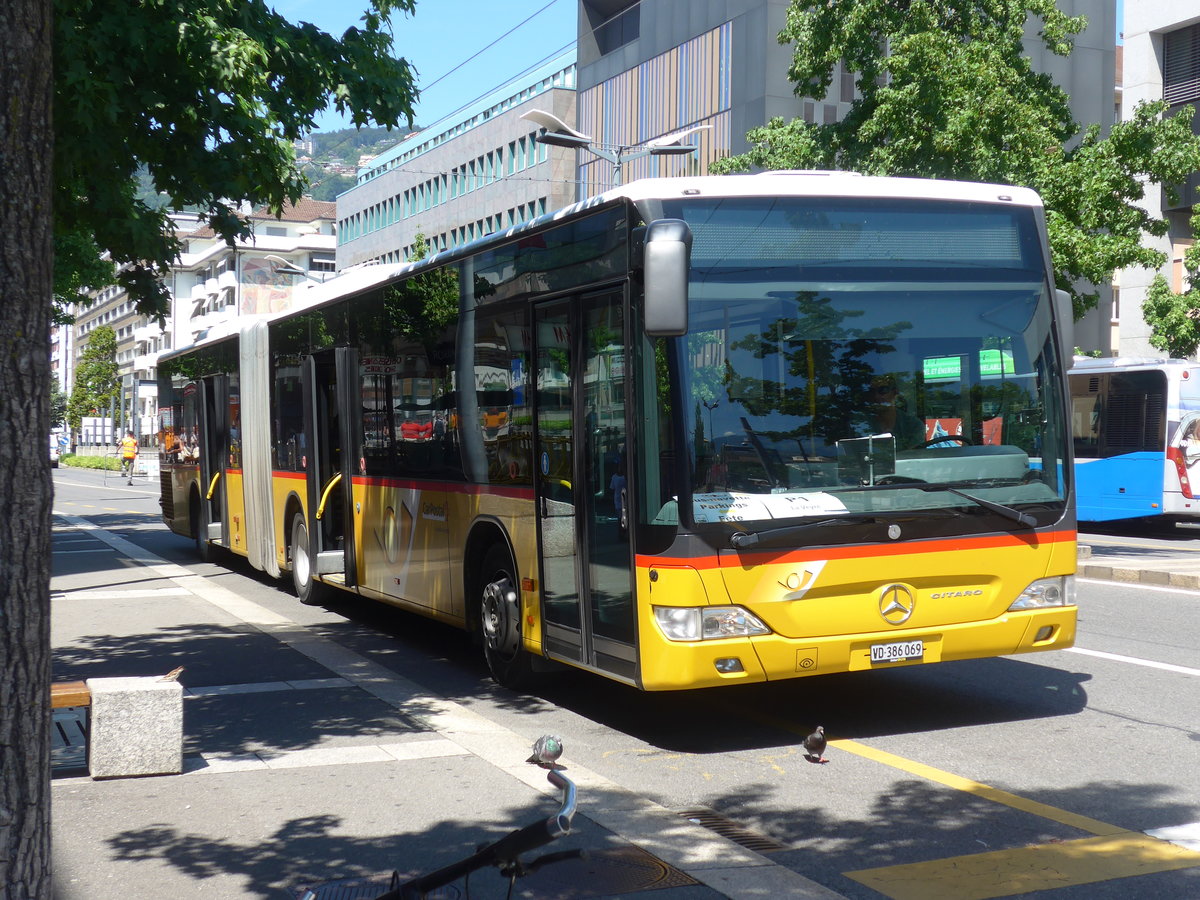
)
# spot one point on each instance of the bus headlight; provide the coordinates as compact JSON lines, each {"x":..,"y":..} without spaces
{"x":1046,"y":592}
{"x":706,"y":623}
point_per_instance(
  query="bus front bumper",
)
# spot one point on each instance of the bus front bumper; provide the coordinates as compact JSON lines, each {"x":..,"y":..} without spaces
{"x":676,"y":665}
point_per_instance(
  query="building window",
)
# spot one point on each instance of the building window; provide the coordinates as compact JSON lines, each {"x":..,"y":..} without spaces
{"x":613,"y":31}
{"x":1181,"y":65}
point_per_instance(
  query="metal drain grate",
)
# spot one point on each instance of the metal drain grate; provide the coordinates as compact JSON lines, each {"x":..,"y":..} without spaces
{"x":68,"y":739}
{"x":728,"y":828}
{"x":363,"y":889}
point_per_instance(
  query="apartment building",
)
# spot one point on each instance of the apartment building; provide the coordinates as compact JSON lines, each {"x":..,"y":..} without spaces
{"x":211,"y":285}
{"x":471,"y":173}
{"x":1161,"y":61}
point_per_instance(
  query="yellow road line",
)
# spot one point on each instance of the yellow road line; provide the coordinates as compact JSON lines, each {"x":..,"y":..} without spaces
{"x":1113,"y":853}
{"x":1053,"y":813}
{"x":1004,"y":873}
{"x":957,"y":782}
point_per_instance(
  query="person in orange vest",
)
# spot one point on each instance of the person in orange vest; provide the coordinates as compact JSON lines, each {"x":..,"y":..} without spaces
{"x":129,"y":452}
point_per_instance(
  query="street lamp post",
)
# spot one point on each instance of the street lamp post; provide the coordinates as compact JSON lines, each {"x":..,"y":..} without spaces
{"x":558,"y":133}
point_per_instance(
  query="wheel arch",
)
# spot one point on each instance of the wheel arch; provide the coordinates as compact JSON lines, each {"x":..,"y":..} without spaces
{"x":485,"y":533}
{"x":291,"y":506}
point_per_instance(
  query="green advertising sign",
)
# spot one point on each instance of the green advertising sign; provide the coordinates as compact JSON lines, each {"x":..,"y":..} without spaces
{"x":992,"y":364}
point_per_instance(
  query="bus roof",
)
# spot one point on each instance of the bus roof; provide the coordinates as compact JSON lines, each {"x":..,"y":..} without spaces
{"x":817,"y":184}
{"x":1082,"y":364}
{"x":806,"y":183}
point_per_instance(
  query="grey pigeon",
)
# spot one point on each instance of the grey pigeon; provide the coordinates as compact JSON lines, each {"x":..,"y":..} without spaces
{"x":814,"y":746}
{"x":546,"y":751}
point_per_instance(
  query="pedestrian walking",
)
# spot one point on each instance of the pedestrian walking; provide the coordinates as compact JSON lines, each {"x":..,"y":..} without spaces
{"x":129,"y":453}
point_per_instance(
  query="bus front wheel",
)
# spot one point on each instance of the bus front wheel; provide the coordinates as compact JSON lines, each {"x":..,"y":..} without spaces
{"x":500,"y":620}
{"x":204,"y":550}
{"x":307,"y":589}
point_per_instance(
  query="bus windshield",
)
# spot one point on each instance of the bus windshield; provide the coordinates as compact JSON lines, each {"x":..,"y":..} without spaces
{"x":849,"y":356}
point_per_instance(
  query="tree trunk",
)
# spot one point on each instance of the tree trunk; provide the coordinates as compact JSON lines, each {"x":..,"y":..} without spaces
{"x":26,"y":284}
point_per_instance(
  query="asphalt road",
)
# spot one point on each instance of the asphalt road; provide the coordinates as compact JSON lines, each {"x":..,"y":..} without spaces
{"x":1037,"y":775}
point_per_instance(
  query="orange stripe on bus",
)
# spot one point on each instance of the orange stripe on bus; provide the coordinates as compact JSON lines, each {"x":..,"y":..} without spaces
{"x":856,"y":551}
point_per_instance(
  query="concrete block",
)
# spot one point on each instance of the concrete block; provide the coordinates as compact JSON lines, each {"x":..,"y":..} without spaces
{"x":136,"y":727}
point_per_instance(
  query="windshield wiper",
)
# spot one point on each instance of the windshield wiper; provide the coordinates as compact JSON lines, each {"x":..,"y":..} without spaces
{"x":1008,"y":512}
{"x":771,"y":537}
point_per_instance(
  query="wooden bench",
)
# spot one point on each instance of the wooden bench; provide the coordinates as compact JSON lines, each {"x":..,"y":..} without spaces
{"x":64,"y":694}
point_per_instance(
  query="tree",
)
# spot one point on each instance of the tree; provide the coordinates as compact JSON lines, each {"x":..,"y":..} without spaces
{"x":204,"y":93}
{"x":58,"y":403}
{"x":421,"y":307}
{"x":1174,"y":319}
{"x":97,"y":379}
{"x":26,"y":283}
{"x":944,"y":91}
{"x":206,"y":96}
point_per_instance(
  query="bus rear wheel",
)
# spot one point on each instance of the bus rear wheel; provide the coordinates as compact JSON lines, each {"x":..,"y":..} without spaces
{"x":500,"y":620}
{"x":307,"y":589}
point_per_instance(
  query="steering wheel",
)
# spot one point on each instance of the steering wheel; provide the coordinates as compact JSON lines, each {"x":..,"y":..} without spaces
{"x":961,"y":438}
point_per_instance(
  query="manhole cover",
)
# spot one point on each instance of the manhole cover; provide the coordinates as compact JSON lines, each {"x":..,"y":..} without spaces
{"x":602,"y":873}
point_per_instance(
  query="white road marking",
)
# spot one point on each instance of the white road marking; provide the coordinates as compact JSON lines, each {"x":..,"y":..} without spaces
{"x":1154,"y":588}
{"x":1187,"y":836}
{"x":119,"y":595}
{"x":1135,"y":661}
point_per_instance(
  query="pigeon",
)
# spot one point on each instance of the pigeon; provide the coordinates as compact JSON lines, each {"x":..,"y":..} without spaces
{"x":814,"y":746}
{"x":546,"y":751}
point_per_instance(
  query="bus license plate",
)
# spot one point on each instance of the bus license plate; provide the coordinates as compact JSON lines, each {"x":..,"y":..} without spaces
{"x":883,"y":653}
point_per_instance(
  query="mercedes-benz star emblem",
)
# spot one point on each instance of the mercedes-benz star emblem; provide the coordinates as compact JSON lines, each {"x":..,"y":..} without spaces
{"x":896,"y":604}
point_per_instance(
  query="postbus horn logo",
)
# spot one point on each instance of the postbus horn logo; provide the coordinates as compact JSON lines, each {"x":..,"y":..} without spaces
{"x":896,"y":604}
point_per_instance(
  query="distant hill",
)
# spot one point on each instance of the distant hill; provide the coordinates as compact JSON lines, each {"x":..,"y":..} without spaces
{"x":335,"y":156}
{"x":331,"y":168}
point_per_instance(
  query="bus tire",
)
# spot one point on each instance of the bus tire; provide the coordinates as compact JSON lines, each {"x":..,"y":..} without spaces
{"x":500,"y":620}
{"x":307,"y":589}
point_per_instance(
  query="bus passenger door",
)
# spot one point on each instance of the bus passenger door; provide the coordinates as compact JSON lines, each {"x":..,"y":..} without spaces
{"x":329,"y":426}
{"x":579,"y":454}
{"x":213,"y":454}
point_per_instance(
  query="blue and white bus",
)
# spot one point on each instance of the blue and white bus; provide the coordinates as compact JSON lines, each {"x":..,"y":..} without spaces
{"x":1136,"y":429}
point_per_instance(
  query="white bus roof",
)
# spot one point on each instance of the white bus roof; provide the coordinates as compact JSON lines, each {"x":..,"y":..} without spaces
{"x":817,"y":184}
{"x":1088,"y":364}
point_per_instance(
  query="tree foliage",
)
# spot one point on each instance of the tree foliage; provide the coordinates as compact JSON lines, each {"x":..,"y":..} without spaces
{"x":944,"y":90}
{"x":97,"y":380}
{"x":422,"y":306}
{"x":207,"y":96}
{"x":58,"y":403}
{"x":1174,"y":319}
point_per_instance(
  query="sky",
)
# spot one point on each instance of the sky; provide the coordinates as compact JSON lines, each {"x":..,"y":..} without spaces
{"x":447,"y":43}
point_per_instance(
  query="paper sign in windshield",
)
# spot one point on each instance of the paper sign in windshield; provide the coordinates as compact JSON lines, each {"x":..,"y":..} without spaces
{"x":733,"y":506}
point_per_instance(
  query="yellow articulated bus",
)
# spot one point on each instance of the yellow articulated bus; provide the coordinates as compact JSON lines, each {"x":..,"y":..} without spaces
{"x":690,"y":432}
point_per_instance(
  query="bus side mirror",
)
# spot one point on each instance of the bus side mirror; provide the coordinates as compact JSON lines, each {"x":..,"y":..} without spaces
{"x":667,"y":257}
{"x":1065,"y":311}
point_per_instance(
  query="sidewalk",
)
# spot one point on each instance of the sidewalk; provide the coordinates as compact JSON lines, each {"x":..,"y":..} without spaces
{"x":306,"y":762}
{"x":1175,"y":566}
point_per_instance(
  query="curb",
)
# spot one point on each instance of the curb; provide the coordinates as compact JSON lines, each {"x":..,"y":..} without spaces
{"x":1123,"y":575}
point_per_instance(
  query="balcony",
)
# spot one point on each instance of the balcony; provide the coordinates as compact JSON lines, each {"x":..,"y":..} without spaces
{"x":145,"y":362}
{"x":145,"y":333}
{"x":199,"y":292}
